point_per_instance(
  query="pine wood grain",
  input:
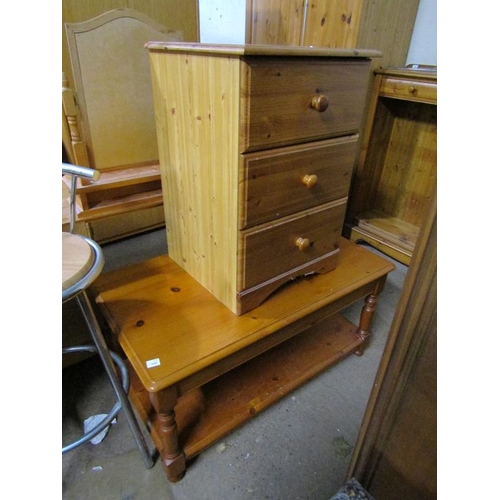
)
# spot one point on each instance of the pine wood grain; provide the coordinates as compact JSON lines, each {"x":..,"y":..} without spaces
{"x":277,"y":100}
{"x":274,"y":181}
{"x":261,"y":50}
{"x":202,"y":370}
{"x":397,"y":169}
{"x":275,"y":22}
{"x":385,"y":26}
{"x":216,"y":103}
{"x":413,"y":89}
{"x":160,"y":311}
{"x":332,"y":23}
{"x":273,"y":250}
{"x":231,"y":400}
{"x":198,"y":144}
{"x":206,"y":414}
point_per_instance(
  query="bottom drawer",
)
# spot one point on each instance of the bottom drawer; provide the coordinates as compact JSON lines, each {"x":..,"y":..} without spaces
{"x":273,"y":251}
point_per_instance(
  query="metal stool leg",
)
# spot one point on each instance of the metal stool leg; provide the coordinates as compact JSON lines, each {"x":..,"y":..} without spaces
{"x":95,"y":331}
{"x":116,"y":408}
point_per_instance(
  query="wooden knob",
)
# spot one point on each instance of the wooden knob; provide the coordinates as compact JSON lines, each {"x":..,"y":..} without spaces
{"x":320,"y":102}
{"x":412,"y":90}
{"x":302,"y":244}
{"x":309,"y":180}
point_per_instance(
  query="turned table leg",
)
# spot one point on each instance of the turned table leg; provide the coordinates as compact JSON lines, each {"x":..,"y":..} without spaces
{"x":172,"y":457}
{"x":366,"y":316}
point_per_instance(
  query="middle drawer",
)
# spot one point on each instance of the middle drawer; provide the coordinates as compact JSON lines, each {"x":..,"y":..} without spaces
{"x":280,"y":182}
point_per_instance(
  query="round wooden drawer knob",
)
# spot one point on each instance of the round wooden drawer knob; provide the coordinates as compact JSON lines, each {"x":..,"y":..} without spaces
{"x":309,"y":180}
{"x":320,"y":102}
{"x":302,"y":244}
{"x":412,"y":90}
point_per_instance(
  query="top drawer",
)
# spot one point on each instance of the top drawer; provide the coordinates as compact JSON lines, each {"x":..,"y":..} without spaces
{"x":300,"y":99}
{"x":408,"y":90}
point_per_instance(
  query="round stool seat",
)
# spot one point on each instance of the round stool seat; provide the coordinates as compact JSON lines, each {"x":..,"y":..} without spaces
{"x":77,"y":259}
{"x":82,"y":262}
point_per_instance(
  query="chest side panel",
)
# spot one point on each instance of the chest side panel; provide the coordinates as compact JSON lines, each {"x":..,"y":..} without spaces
{"x":197,"y":116}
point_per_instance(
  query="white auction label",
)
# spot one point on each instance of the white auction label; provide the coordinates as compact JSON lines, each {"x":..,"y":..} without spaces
{"x":153,"y":362}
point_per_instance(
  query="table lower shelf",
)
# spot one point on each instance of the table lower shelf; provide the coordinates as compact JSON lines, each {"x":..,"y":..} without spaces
{"x":206,"y":415}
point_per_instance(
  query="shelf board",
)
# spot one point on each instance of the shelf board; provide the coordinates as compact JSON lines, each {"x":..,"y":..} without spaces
{"x":115,"y":206}
{"x":117,"y":178}
{"x":389,"y":230}
{"x":206,"y":415}
{"x":395,"y":237}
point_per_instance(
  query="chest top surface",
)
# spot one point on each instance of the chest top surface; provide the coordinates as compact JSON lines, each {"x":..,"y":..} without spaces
{"x":261,"y":50}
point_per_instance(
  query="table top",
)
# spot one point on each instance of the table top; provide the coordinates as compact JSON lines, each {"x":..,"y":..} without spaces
{"x":77,"y":259}
{"x":170,"y":326}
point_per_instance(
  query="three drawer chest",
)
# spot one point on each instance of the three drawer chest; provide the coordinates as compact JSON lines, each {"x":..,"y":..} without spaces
{"x":256,"y":146}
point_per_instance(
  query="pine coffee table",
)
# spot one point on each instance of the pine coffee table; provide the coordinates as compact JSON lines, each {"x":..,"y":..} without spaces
{"x":198,"y":370}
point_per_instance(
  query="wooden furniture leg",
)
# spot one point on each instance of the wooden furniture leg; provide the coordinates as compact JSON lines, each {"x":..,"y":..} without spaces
{"x":172,"y":457}
{"x":366,"y":316}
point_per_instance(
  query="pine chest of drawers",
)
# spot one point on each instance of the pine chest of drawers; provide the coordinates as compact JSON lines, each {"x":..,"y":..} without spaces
{"x":256,"y":146}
